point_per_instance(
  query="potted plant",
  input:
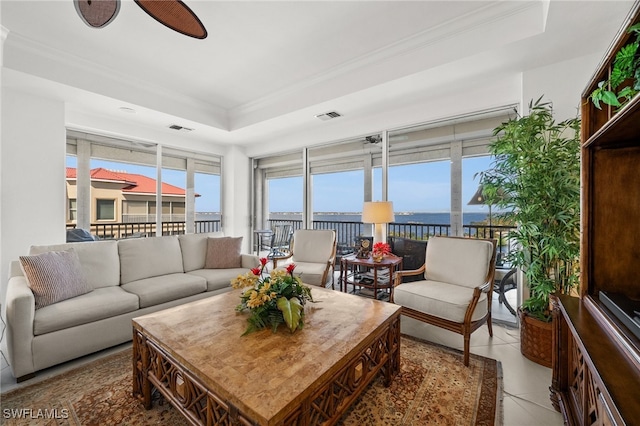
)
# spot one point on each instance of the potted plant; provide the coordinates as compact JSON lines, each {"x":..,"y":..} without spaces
{"x":625,"y":72}
{"x":535,"y":179}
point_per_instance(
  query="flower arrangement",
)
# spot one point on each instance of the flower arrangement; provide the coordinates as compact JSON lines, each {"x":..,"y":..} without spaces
{"x":379,"y":250}
{"x":382,"y":248}
{"x":272,"y":299}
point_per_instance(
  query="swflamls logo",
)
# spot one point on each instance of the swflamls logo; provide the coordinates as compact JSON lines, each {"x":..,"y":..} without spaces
{"x":30,"y":413}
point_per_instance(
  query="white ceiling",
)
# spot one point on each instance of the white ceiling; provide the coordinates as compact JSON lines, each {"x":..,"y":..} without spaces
{"x":266,"y":68}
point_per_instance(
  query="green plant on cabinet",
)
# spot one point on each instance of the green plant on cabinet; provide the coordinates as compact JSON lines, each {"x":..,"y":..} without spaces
{"x":535,"y":180}
{"x":626,"y":65}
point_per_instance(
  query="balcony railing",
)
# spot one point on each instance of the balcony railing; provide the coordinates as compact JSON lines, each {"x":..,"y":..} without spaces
{"x":346,"y":232}
{"x":118,"y":230}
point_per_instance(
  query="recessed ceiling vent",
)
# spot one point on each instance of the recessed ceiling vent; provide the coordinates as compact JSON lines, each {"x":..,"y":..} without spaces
{"x":328,"y":115}
{"x":180,"y":128}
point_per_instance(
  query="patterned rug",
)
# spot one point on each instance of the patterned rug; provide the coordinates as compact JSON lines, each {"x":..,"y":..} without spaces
{"x":433,"y":388}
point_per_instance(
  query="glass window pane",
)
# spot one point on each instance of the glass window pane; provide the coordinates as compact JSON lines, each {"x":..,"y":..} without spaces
{"x":421,"y":195}
{"x":207,"y":210}
{"x":105,"y":210}
{"x":474,"y":212}
{"x":285,"y":199}
{"x":73,"y":210}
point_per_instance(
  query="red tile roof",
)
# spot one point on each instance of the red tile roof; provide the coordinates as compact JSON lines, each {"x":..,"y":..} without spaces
{"x":133,"y":183}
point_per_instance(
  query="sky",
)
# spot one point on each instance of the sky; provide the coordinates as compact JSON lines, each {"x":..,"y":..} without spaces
{"x":423,"y":187}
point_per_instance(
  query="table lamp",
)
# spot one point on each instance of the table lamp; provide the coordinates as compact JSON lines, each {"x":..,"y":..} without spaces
{"x":379,"y":213}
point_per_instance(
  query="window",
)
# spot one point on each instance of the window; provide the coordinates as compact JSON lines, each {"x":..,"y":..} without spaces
{"x":123,"y":175}
{"x":105,"y":209}
{"x":207,"y":204}
{"x":135,"y":211}
{"x":73,"y":209}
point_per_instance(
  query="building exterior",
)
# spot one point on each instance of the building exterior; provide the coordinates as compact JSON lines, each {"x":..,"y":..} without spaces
{"x":127,"y":198}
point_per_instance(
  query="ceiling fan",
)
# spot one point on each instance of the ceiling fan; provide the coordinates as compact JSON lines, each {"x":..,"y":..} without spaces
{"x":171,"y":13}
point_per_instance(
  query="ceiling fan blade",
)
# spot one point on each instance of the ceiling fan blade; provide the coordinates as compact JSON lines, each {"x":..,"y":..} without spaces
{"x":97,"y":13}
{"x":175,"y":15}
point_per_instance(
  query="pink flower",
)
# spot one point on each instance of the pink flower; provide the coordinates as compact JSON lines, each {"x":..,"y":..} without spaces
{"x":291,"y":267}
{"x":256,"y":271}
{"x":263,"y":261}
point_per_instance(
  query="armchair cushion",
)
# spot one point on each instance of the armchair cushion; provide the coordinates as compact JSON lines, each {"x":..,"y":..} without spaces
{"x":442,"y":300}
{"x":313,"y":246}
{"x":310,"y":273}
{"x":460,"y":261}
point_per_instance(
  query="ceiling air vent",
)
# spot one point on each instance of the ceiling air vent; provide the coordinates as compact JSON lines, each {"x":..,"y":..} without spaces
{"x":181,"y":128}
{"x":328,"y":115}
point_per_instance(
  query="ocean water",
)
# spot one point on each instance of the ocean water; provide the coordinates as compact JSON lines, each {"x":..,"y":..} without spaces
{"x":408,"y":217}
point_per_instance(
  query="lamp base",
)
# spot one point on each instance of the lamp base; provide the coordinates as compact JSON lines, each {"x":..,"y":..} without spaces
{"x":379,"y":233}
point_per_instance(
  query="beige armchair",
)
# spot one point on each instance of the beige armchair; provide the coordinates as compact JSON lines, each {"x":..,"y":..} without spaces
{"x":314,"y":253}
{"x":455,"y":293}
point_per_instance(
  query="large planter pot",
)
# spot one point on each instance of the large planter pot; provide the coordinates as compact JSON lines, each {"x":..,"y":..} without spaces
{"x":536,"y":339}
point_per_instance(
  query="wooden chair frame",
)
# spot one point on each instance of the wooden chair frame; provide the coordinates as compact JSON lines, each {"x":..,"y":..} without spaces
{"x":466,"y":327}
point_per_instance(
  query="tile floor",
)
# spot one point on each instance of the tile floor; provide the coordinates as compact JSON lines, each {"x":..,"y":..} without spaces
{"x":526,"y":384}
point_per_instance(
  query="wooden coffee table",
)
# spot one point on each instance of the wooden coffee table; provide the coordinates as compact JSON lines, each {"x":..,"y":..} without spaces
{"x":195,"y":356}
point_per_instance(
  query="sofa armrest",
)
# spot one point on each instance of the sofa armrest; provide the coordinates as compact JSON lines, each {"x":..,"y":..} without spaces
{"x":250,"y":261}
{"x":20,"y":310}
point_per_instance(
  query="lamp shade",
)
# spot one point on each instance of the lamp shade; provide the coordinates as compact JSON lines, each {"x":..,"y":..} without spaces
{"x":378,"y":212}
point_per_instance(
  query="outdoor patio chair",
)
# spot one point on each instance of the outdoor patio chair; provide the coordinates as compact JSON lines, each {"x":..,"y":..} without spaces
{"x":314,"y":253}
{"x":280,"y":241}
{"x":455,"y":292}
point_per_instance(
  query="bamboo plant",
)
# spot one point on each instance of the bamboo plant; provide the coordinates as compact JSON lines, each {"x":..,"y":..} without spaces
{"x":535,"y":180}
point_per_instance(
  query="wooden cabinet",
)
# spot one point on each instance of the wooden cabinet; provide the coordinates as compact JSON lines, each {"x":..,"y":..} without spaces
{"x":596,"y":359}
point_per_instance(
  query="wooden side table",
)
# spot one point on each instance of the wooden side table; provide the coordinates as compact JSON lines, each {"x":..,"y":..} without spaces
{"x":369,"y":274}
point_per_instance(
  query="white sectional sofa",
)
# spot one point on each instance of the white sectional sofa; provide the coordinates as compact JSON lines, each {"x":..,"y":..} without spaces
{"x":129,"y":278}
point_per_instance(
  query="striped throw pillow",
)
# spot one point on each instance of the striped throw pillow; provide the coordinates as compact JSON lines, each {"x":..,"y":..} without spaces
{"x":54,"y":276}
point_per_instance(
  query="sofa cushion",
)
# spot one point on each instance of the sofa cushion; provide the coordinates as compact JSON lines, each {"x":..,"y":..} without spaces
{"x":194,"y":249}
{"x":462,"y":261}
{"x":439,"y":299}
{"x":218,"y":278}
{"x":142,"y":258}
{"x":101,"y":303}
{"x":164,"y":288}
{"x":99,"y":260}
{"x":223,"y":253}
{"x":54,"y":276}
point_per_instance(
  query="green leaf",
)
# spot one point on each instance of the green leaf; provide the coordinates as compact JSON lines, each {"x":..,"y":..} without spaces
{"x":610,"y":98}
{"x":291,"y":311}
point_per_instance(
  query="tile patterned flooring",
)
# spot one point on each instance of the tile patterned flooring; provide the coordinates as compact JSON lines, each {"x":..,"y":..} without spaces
{"x":526,"y":384}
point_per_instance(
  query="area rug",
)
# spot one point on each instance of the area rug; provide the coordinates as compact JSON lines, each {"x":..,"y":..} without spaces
{"x":433,"y":388}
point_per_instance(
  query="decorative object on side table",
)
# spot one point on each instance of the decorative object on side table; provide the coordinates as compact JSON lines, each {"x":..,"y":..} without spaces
{"x":380,"y":249}
{"x":380,"y":213}
{"x":272,"y":300}
{"x":364,"y":249}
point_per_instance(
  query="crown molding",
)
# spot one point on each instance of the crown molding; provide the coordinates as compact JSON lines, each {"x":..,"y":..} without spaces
{"x":31,"y":57}
{"x":485,"y":16}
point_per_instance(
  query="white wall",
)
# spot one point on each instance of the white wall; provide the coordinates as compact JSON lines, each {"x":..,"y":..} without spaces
{"x":561,"y":83}
{"x":32,"y":171}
